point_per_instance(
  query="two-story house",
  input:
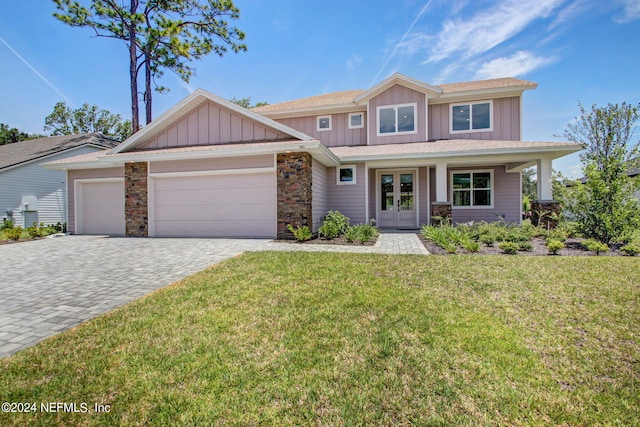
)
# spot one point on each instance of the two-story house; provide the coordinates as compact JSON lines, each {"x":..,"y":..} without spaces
{"x":399,"y":153}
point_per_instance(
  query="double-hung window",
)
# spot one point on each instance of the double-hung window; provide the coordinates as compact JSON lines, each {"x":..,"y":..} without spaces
{"x":397,"y":119}
{"x":472,"y":188}
{"x":472,"y":117}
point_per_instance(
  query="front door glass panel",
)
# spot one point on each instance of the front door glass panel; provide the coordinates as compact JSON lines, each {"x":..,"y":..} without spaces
{"x":406,"y":192}
{"x":386,"y":183}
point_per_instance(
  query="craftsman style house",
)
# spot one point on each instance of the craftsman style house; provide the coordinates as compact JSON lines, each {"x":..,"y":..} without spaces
{"x":399,"y":153}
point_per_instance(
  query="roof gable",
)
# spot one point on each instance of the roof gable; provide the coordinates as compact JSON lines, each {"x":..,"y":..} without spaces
{"x":203,"y":118}
{"x":397,"y":79}
{"x":21,"y":152}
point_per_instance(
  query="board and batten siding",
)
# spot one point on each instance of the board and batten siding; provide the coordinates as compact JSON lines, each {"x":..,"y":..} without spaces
{"x":47,"y":186}
{"x":506,"y":122}
{"x":507,"y":199}
{"x":339,"y":135}
{"x":211,"y":124}
{"x":349,"y":199}
{"x":320,"y":198}
{"x":116,"y":172}
{"x":393,"y":96}
{"x":261,"y":161}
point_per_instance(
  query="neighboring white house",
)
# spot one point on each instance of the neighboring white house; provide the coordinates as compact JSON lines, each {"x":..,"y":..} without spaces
{"x":28,"y":192}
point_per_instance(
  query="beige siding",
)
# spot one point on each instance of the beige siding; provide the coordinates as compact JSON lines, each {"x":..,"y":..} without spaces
{"x":339,"y":135}
{"x":210,"y":124}
{"x":320,"y":197}
{"x":86,"y":174}
{"x":212,"y":164}
{"x":393,"y":96}
{"x":506,"y":122}
{"x":349,"y":199}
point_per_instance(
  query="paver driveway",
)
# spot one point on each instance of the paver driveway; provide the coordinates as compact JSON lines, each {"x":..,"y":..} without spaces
{"x":50,"y":285}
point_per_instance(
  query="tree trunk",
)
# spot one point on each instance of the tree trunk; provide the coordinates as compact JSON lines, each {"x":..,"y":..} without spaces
{"x":147,"y":91}
{"x":133,"y":69}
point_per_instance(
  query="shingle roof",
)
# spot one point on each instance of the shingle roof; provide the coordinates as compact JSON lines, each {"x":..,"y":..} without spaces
{"x":348,"y":96}
{"x":446,"y":147}
{"x":24,"y":151}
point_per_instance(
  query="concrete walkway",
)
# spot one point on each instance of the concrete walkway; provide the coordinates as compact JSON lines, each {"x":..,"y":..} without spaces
{"x":51,"y":285}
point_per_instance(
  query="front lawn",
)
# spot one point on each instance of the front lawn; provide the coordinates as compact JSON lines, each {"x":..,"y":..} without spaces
{"x":283,"y":338}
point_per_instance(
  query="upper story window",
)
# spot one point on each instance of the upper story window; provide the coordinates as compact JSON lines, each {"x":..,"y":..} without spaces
{"x":397,"y":119}
{"x":472,"y":117}
{"x":356,"y":120}
{"x":324,"y":123}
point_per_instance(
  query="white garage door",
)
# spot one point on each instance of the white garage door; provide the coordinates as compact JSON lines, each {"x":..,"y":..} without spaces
{"x":239,"y":205}
{"x":100,"y":207}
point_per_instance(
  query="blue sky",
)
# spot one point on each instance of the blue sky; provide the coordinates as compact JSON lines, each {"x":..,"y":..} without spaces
{"x":576,"y":50}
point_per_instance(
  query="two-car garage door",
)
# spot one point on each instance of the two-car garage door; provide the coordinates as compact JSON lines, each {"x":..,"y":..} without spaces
{"x":185,"y":205}
{"x":216,"y":205}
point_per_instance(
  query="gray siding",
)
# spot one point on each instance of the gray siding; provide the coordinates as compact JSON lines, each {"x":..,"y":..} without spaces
{"x":86,"y":174}
{"x":348,"y":199}
{"x":506,"y":199}
{"x":261,"y":161}
{"x":506,"y":122}
{"x":423,"y":191}
{"x":393,"y":96}
{"x":47,"y":186}
{"x":339,"y":135}
{"x":211,"y":124}
{"x":320,"y":196}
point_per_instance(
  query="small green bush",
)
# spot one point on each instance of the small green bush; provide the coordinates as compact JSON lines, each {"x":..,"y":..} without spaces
{"x":595,"y":246}
{"x":351,"y":235}
{"x":35,"y":231}
{"x":630,"y":249}
{"x":13,"y":233}
{"x":6,"y":224}
{"x":554,"y":246}
{"x":488,"y":239}
{"x":334,"y":224}
{"x":525,"y":246}
{"x":471,"y":245}
{"x":301,"y":234}
{"x":366,"y":232}
{"x":508,"y":248}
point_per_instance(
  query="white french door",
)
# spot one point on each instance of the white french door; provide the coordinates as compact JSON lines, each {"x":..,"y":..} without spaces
{"x":396,"y":199}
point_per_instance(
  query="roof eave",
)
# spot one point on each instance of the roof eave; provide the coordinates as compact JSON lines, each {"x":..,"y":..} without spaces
{"x":394,"y":79}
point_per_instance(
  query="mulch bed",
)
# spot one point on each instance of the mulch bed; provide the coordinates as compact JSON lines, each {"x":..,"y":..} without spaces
{"x":572,"y":248}
{"x":337,"y":241}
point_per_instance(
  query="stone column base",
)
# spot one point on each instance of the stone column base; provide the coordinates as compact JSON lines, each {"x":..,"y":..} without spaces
{"x":441,"y":213}
{"x":545,"y":213}
{"x":136,"y":211}
{"x":294,"y":192}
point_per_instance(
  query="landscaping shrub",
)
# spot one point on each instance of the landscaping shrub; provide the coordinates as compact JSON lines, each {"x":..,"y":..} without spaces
{"x":301,"y":234}
{"x":365,"y":232}
{"x":554,"y":246}
{"x":471,"y":245}
{"x":488,"y":239}
{"x":6,"y":224}
{"x":334,"y":224}
{"x":630,"y":249}
{"x":509,"y":248}
{"x":13,"y":233}
{"x":34,"y":231}
{"x":525,"y":246}
{"x":595,"y":246}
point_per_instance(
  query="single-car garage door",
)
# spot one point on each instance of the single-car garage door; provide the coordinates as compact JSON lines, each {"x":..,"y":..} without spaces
{"x":100,"y":206}
{"x":219,"y":205}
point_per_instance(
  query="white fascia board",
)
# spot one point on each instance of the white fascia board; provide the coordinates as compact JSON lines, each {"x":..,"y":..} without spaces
{"x":314,"y":147}
{"x":191,"y":101}
{"x":94,"y":164}
{"x":509,"y":154}
{"x":468,"y":95}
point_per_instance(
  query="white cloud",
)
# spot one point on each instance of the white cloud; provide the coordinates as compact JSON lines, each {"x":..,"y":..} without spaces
{"x":631,"y":11}
{"x":353,"y":63}
{"x":487,"y":29}
{"x":571,"y":11}
{"x":517,"y":64}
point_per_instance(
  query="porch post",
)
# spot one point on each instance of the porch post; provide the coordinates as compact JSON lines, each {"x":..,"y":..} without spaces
{"x":544,"y":179}
{"x":441,"y":208}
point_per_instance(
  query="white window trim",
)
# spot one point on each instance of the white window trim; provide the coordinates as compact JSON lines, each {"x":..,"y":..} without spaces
{"x":396,"y":106}
{"x":470,"y":104}
{"x":338,"y":182}
{"x":361,"y":121}
{"x":318,"y":123}
{"x":472,"y":171}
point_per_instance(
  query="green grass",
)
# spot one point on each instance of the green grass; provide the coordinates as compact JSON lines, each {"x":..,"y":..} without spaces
{"x":347,"y":339}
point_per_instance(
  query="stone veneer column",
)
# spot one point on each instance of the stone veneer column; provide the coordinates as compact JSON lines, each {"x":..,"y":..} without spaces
{"x":545,"y":213}
{"x":294,"y":192}
{"x":136,"y":210}
{"x":442,"y":210}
